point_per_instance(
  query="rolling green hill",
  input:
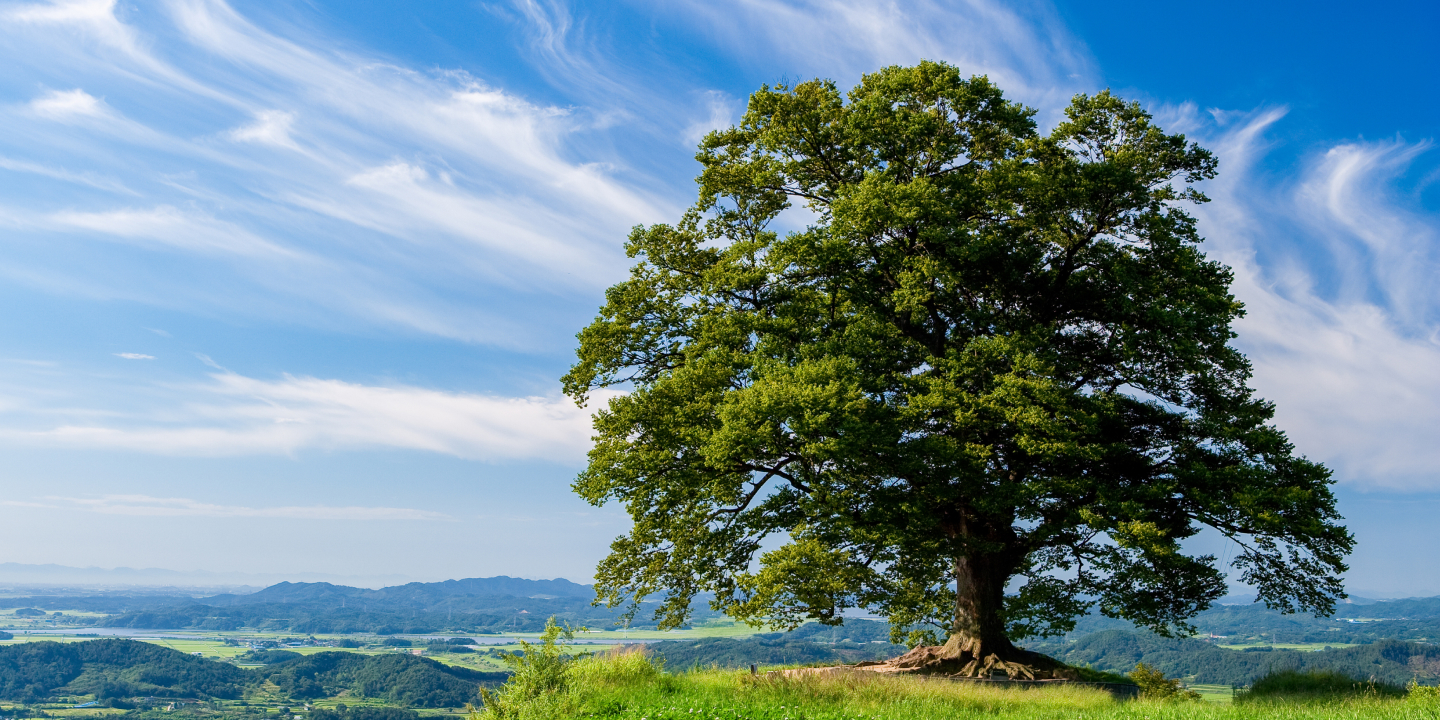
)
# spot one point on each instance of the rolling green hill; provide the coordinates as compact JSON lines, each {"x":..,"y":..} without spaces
{"x":109,"y":668}
{"x":112,"y":668}
{"x":404,"y":680}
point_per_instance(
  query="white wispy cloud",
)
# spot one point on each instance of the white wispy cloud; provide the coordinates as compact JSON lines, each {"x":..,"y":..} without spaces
{"x":24,"y":504}
{"x":63,"y":11}
{"x":1384,"y":252}
{"x":173,"y":227}
{"x":146,"y":506}
{"x":68,"y":104}
{"x":238,"y":415}
{"x":1341,"y":333}
{"x":286,"y":179}
{"x":425,"y":193}
{"x":135,"y":356}
{"x":1022,"y":46}
{"x":721,"y":113}
{"x":91,"y":179}
{"x":271,"y":127}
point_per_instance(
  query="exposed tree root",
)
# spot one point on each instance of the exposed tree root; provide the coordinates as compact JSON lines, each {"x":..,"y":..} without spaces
{"x":969,"y":660}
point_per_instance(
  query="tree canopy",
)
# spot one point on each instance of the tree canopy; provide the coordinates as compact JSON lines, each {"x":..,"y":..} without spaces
{"x":973,"y":377}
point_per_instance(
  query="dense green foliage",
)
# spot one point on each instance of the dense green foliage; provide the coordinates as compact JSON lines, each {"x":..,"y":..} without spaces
{"x":445,"y":647}
{"x":991,"y":359}
{"x":404,"y":680}
{"x":112,"y":668}
{"x":1155,"y":686}
{"x":268,"y":657}
{"x":6,"y":636}
{"x":127,"y":669}
{"x":541,"y":671}
{"x":1316,"y":684}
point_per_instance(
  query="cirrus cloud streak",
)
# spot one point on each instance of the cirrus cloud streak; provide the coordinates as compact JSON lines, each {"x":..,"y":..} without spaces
{"x":236,"y":415}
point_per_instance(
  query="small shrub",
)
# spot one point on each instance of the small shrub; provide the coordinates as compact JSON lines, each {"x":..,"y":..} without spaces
{"x":1317,"y":684}
{"x":1155,"y":686}
{"x":540,"y":680}
{"x":1422,"y":693}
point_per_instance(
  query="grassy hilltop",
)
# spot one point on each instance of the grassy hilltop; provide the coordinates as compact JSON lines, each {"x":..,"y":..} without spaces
{"x":630,"y":686}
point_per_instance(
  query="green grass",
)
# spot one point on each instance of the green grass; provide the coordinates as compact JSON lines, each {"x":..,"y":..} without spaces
{"x":1214,"y":693}
{"x":625,"y":686}
{"x":1316,"y":685}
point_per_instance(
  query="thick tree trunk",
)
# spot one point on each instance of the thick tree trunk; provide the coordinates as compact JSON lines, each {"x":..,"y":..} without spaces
{"x":978,"y":646}
{"x":979,"y":628}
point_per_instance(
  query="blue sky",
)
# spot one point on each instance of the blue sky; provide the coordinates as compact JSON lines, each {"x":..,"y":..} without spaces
{"x":288,"y":285}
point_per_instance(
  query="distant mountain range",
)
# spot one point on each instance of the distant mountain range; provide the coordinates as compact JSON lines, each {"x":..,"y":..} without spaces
{"x":410,"y":595}
{"x":472,"y":605}
{"x":505,"y":604}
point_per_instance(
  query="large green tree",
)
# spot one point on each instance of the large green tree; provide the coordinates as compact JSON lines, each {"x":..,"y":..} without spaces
{"x":982,"y":384}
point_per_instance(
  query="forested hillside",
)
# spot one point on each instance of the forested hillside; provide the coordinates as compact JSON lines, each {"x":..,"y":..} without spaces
{"x":30,"y":672}
{"x":112,"y":668}
{"x":404,"y":680}
{"x":1202,"y":662}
